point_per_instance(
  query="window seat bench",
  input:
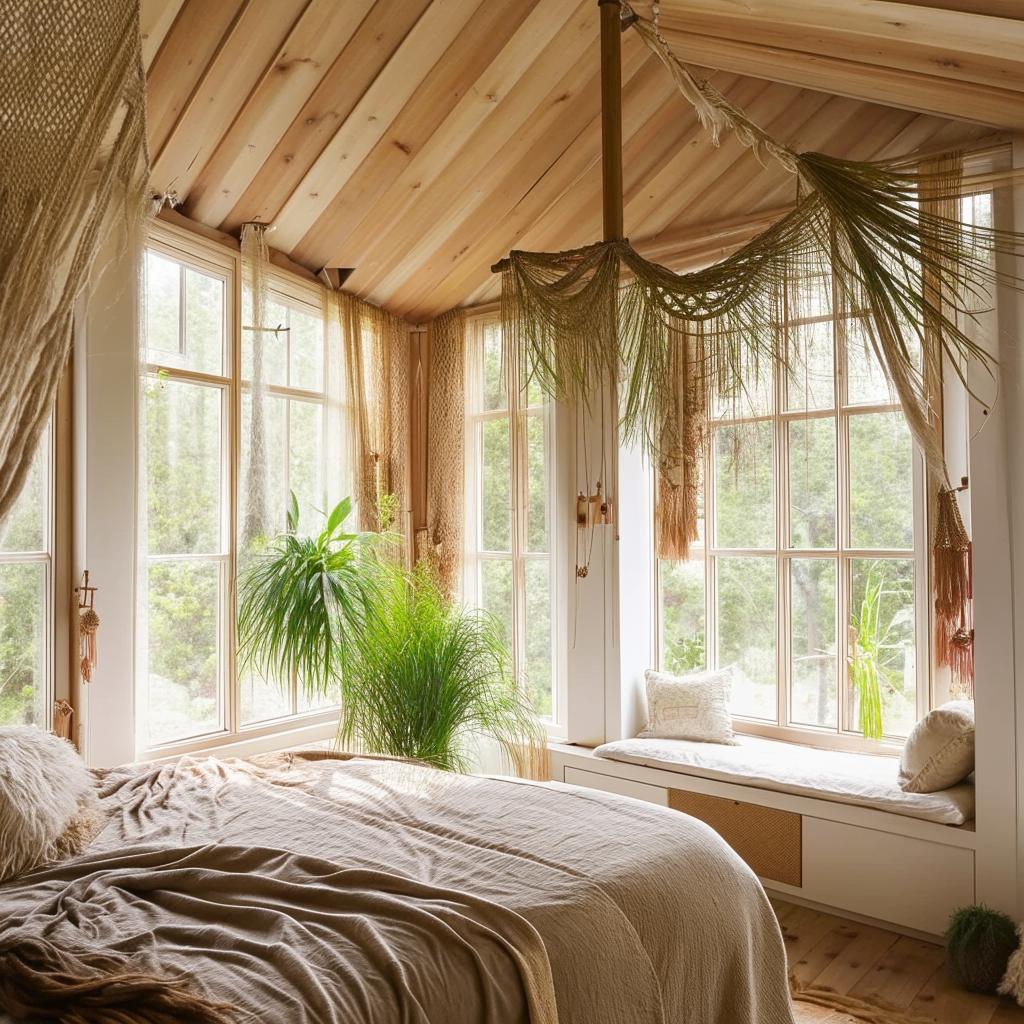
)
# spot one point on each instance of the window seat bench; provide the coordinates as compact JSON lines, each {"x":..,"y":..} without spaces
{"x":865,"y":780}
{"x":829,"y":829}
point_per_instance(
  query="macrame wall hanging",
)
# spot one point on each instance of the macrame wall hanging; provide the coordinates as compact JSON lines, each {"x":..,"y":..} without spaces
{"x":888,"y":233}
{"x":73,"y":164}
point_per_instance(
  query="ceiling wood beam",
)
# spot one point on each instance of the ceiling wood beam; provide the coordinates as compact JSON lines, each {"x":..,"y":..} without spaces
{"x":155,"y":20}
{"x":288,"y":81}
{"x":352,"y":74}
{"x":856,"y":79}
{"x":463,"y":89}
{"x":372,"y":116}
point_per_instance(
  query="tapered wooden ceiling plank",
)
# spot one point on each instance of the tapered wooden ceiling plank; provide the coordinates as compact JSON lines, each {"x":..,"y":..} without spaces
{"x":944,"y":62}
{"x":461,"y":90}
{"x":862,"y":21}
{"x":191,"y":45}
{"x":536,"y":106}
{"x":856,"y":79}
{"x":155,"y":20}
{"x":534,"y":185}
{"x":993,"y":8}
{"x":254,"y":41}
{"x":372,"y":116}
{"x":306,"y":56}
{"x":337,"y":93}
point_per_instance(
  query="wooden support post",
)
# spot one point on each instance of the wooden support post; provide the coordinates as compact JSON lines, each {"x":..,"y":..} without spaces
{"x":611,"y":117}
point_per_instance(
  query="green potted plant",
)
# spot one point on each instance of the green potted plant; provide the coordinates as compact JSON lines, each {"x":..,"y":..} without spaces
{"x":979,"y":944}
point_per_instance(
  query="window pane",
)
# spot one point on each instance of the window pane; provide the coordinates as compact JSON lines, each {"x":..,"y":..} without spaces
{"x":204,"y":322}
{"x":275,"y":455}
{"x":813,"y":641}
{"x":493,"y":390}
{"x":682,"y":616}
{"x":184,"y":650}
{"x":882,"y":655}
{"x":275,"y":346}
{"x":866,"y":384}
{"x":332,"y":700}
{"x":744,"y":487}
{"x":306,"y":463}
{"x":812,"y":483}
{"x":810,"y":383}
{"x":881,"y":481}
{"x":753,"y":397}
{"x":23,"y":603}
{"x":495,"y":487}
{"x":25,"y":527}
{"x":810,"y":295}
{"x":539,"y":676}
{"x":183,"y":467}
{"x":261,"y":699}
{"x":306,"y":348}
{"x":163,"y":309}
{"x":496,"y":591}
{"x":746,"y":632}
{"x":536,"y":483}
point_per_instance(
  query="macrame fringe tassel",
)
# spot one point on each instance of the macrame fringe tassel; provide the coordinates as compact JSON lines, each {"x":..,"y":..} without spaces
{"x":952,"y":571}
{"x":62,"y":715}
{"x":39,"y":980}
{"x":675,"y":520}
{"x":861,"y":1009}
{"x":88,"y":625}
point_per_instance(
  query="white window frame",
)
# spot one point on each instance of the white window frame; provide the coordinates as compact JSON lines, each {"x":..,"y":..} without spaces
{"x":230,"y":731}
{"x":845,"y":735}
{"x":475,"y":554}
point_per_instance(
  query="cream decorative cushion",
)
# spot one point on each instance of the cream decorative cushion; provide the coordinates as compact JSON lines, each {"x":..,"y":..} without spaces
{"x":939,"y":751}
{"x":690,"y":707}
{"x":48,"y":804}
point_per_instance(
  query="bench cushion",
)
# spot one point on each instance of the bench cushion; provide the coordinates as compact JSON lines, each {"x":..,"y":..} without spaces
{"x":863,"y":779}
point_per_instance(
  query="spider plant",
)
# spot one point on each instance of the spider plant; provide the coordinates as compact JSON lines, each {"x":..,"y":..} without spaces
{"x":425,"y":676}
{"x":302,"y":599}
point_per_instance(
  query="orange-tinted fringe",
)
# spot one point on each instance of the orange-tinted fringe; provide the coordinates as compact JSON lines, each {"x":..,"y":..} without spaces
{"x":952,"y":570}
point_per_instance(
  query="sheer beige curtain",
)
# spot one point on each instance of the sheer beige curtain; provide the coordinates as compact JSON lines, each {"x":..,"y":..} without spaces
{"x":373,"y":386}
{"x":73,"y":163}
{"x":446,"y":443}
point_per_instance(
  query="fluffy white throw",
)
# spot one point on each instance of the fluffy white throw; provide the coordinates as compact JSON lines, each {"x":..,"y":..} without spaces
{"x":44,"y":785}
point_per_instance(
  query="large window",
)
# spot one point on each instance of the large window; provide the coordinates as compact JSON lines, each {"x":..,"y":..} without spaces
{"x":509,"y":517}
{"x":810,"y":575}
{"x":198,"y":455}
{"x":26,"y":598}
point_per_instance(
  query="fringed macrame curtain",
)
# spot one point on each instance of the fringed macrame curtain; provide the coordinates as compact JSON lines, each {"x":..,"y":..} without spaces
{"x":446,"y":426}
{"x":889,"y":236}
{"x":374,"y":346}
{"x":257,"y":518}
{"x":73,"y":164}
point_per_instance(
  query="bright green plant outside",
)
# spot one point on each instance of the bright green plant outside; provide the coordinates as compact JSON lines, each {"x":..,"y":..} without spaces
{"x":876,"y":650}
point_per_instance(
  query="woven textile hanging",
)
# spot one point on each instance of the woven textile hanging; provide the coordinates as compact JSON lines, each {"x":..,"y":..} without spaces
{"x":374,"y":346}
{"x":446,"y":422}
{"x":73,"y":164}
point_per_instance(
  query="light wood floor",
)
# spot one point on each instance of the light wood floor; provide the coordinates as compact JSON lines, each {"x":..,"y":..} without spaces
{"x":860,"y":960}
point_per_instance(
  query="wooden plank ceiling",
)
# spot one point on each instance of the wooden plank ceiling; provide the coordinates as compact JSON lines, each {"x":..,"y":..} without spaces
{"x":418,"y":141}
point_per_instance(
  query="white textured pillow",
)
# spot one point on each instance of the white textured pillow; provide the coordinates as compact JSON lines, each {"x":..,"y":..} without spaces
{"x":939,"y":751}
{"x":47,"y":800}
{"x":690,"y":707}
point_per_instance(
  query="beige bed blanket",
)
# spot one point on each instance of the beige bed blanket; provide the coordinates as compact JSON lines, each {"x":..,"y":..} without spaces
{"x":381,"y":892}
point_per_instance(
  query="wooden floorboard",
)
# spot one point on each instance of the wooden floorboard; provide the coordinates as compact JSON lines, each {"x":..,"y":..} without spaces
{"x":873,"y":963}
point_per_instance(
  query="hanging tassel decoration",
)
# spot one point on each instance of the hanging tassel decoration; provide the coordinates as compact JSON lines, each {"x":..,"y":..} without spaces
{"x":954,"y":620}
{"x":62,"y":715}
{"x":88,"y":624}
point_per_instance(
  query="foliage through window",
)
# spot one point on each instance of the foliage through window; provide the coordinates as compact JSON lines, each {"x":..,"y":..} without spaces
{"x":26,"y":597}
{"x":809,"y":573}
{"x":196,"y":437}
{"x":509,"y":517}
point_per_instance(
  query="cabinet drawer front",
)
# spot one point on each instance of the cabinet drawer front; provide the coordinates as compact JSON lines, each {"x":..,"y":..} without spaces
{"x":624,"y":787}
{"x":769,"y":840}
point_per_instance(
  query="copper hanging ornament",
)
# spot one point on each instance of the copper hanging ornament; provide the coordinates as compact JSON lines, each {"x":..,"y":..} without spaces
{"x":954,"y":618}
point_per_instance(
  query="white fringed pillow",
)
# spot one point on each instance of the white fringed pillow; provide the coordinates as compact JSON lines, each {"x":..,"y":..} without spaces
{"x":939,"y":751}
{"x":48,"y":805}
{"x":690,"y":707}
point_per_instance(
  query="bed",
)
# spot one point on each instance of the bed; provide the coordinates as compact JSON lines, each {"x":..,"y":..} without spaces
{"x":310,"y":889}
